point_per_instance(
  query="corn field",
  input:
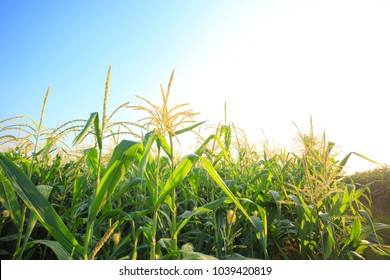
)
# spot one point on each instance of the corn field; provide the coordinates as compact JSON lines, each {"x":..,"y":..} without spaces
{"x":105,"y":197}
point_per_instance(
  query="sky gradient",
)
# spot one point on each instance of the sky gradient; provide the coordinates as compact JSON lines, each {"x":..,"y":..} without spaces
{"x":274,"y":62}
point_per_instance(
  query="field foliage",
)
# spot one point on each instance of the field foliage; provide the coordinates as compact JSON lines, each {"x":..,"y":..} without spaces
{"x":96,"y":189}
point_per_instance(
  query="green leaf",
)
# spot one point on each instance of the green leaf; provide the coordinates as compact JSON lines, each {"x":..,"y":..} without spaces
{"x":79,"y":188}
{"x":32,"y":220}
{"x":344,"y":161}
{"x":49,"y":143}
{"x":10,"y":201}
{"x":369,"y":221}
{"x":226,"y":131}
{"x":203,"y":147}
{"x":327,"y":244}
{"x":123,"y":154}
{"x":213,"y":173}
{"x":347,"y":198}
{"x":261,"y":229}
{"x":356,"y":229}
{"x":181,"y":171}
{"x":200,"y":210}
{"x":93,"y":119}
{"x":124,"y":188}
{"x":276,"y":197}
{"x":45,"y":190}
{"x":166,"y":243}
{"x":107,"y":184}
{"x":125,"y":151}
{"x":58,"y":250}
{"x":120,"y":160}
{"x":40,"y":206}
{"x":91,"y":159}
{"x":180,"y":131}
{"x":150,"y":139}
{"x":303,"y":209}
{"x":164,"y":144}
{"x":177,"y":176}
{"x":356,"y":255}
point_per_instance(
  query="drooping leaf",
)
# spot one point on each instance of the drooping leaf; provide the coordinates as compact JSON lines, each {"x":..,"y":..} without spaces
{"x":344,"y":161}
{"x":49,"y":143}
{"x":93,"y":120}
{"x":213,"y":173}
{"x":58,"y":250}
{"x":200,"y":210}
{"x":40,"y":206}
{"x":370,"y":222}
{"x":124,"y":188}
{"x":180,"y":131}
{"x":32,"y":220}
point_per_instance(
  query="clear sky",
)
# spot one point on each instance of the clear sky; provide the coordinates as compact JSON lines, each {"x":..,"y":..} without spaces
{"x":274,"y":62}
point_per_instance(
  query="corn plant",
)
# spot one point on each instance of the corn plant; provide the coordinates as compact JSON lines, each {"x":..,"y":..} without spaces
{"x":165,"y":123}
{"x":140,"y":199}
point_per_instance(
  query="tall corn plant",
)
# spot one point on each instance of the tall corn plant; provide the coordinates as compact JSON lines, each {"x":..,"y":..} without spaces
{"x":35,"y":198}
{"x":167,"y":124}
{"x":236,"y":160}
{"x":325,"y":214}
{"x":120,"y":160}
{"x":16,"y":182}
{"x":31,"y":145}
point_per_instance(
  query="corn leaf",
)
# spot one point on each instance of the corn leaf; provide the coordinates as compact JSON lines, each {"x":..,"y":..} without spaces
{"x":40,"y":206}
{"x":177,"y":176}
{"x":93,"y":120}
{"x":164,"y":144}
{"x":180,"y":131}
{"x":344,"y":161}
{"x":116,"y":169}
{"x":91,"y":159}
{"x":45,"y":191}
{"x":58,"y":250}
{"x":356,"y":230}
{"x":200,"y":210}
{"x":150,"y":139}
{"x":10,"y":201}
{"x":213,"y":173}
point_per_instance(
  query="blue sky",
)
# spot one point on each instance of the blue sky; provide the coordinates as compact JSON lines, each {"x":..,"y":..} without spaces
{"x":274,"y":62}
{"x":69,"y":46}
